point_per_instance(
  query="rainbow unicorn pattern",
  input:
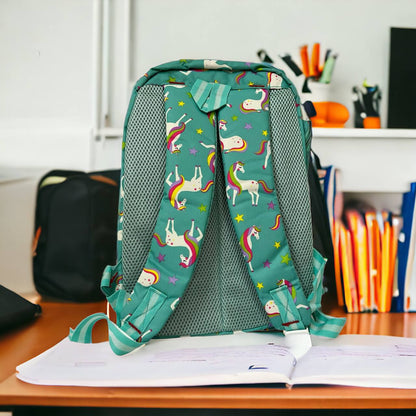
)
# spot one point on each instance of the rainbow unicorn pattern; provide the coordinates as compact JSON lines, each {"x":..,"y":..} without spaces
{"x":148,"y":277}
{"x":247,"y":245}
{"x":232,"y":143}
{"x":181,"y":185}
{"x":186,"y":240}
{"x":264,"y":149}
{"x":238,"y":185}
{"x":274,"y":80}
{"x":174,"y":131}
{"x":262,"y":103}
{"x":211,"y":155}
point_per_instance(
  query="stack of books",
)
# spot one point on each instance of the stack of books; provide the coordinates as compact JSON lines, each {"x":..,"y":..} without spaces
{"x":373,"y":251}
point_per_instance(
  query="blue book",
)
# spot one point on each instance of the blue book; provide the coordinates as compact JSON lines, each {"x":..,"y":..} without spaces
{"x":408,"y":208}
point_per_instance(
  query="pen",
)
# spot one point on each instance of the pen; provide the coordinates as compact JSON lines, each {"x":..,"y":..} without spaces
{"x":291,"y":64}
{"x":305,"y":60}
{"x":328,"y":69}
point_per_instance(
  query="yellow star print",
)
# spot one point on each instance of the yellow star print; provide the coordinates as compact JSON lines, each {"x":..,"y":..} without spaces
{"x":202,"y":208}
{"x":239,"y":217}
{"x":265,"y":133}
{"x":285,"y":259}
{"x":277,"y":244}
{"x":181,"y":103}
{"x":260,"y":285}
{"x":199,"y":131}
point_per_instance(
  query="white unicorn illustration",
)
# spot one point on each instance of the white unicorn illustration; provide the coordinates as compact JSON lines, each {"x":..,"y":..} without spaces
{"x":238,"y":185}
{"x":212,"y":64}
{"x":246,"y":244}
{"x":265,"y":148}
{"x":232,"y":143}
{"x":187,"y":240}
{"x":211,"y":155}
{"x":180,"y":184}
{"x":166,"y":94}
{"x":174,"y":131}
{"x":256,"y":105}
{"x":275,"y":80}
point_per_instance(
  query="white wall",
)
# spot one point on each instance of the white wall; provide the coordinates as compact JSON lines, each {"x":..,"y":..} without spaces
{"x":235,"y":29}
{"x":45,"y":82}
{"x":47,"y":59}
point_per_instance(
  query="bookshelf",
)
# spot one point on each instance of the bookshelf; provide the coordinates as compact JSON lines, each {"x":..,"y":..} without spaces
{"x":375,"y":164}
{"x":377,"y":167}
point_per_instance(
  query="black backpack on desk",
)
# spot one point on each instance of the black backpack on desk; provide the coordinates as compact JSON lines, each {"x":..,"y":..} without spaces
{"x":75,"y":233}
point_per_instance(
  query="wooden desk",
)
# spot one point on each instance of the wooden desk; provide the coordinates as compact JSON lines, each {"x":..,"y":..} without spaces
{"x":53,"y":325}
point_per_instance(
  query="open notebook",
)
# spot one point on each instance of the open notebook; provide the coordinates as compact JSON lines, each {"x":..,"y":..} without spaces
{"x":240,"y":358}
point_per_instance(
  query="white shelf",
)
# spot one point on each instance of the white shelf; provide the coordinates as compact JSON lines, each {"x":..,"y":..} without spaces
{"x":318,"y":132}
{"x":370,"y":160}
{"x":334,"y":133}
{"x":109,"y":132}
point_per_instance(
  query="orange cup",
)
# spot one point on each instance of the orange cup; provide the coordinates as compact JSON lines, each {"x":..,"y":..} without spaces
{"x":372,"y":123}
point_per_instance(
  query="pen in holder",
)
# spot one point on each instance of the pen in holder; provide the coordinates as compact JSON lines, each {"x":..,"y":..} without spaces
{"x":314,"y":82}
{"x":366,"y":100}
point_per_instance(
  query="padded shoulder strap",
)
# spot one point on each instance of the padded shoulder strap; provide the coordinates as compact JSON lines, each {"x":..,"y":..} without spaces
{"x":255,"y":208}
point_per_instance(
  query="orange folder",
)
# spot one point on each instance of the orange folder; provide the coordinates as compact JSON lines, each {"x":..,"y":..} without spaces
{"x":385,"y":267}
{"x":374,"y":257}
{"x":392,"y":228}
{"x":347,"y":267}
{"x":358,"y":231}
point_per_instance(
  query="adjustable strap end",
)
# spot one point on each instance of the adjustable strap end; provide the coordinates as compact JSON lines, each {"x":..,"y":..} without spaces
{"x":298,"y":341}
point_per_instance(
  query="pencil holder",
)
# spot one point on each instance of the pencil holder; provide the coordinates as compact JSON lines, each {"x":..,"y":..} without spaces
{"x":328,"y":113}
{"x":319,"y":92}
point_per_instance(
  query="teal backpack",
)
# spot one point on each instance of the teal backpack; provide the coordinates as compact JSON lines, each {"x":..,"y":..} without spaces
{"x":215,"y":230}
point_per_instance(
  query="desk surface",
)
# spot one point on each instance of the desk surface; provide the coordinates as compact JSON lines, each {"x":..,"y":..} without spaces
{"x":52,"y":326}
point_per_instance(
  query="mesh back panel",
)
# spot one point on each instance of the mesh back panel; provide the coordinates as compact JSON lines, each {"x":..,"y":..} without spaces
{"x":143,"y":181}
{"x":220,"y":296}
{"x":291,"y":180}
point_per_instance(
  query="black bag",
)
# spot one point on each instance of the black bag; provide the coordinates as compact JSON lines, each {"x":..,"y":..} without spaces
{"x":15,"y":310}
{"x":75,"y":233}
{"x":322,"y":239}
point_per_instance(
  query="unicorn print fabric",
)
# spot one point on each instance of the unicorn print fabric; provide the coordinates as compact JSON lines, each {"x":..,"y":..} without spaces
{"x":217,"y":135}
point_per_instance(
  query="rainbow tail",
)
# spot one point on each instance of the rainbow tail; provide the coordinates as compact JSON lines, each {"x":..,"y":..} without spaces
{"x":158,"y":239}
{"x":265,"y":187}
{"x":211,"y":161}
{"x":262,"y":148}
{"x":276,"y":223}
{"x":239,"y":77}
{"x":207,"y":186}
